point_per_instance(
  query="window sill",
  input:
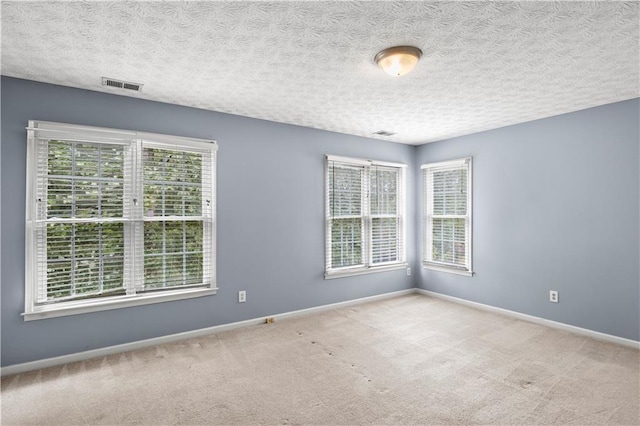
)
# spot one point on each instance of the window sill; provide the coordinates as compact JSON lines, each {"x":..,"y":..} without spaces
{"x":441,"y":268}
{"x":340,"y":273}
{"x":95,"y":305}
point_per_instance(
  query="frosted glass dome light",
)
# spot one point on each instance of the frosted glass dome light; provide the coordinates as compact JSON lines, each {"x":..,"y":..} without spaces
{"x":398,"y":60}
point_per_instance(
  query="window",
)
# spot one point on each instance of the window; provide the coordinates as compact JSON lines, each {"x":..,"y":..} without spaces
{"x":116,"y":218}
{"x":447,"y":216}
{"x":364,"y":216}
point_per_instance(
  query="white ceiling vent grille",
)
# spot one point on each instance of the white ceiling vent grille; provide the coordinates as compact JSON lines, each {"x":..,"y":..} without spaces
{"x":119,"y":84}
{"x":384,"y":133}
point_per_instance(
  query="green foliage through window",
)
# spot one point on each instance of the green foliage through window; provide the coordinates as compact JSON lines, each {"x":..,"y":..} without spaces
{"x":87,"y":181}
{"x":365,"y":214}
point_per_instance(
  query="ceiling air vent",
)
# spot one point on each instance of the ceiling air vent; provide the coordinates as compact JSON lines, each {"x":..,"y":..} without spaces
{"x":119,"y":84}
{"x":384,"y":133}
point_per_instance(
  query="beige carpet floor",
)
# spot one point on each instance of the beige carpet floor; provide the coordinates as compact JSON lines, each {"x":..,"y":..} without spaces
{"x":408,"y":360}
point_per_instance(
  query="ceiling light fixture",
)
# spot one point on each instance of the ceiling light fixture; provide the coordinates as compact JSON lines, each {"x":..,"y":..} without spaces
{"x":398,"y":60}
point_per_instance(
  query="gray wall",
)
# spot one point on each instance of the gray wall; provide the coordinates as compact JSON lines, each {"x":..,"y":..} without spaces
{"x":270,"y":219}
{"x":556,"y":206}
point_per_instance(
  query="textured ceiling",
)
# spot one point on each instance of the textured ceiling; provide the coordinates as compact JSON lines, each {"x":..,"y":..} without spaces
{"x":485,"y":65}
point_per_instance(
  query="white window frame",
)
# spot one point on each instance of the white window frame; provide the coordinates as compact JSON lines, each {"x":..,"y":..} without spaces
{"x":133,"y":239}
{"x":427,"y":218}
{"x":367,"y":253}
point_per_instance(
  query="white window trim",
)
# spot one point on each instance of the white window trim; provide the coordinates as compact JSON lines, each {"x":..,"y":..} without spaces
{"x":426,"y":237}
{"x":367,"y":267}
{"x":103,"y":136}
{"x":347,"y":272}
{"x":76,"y":307}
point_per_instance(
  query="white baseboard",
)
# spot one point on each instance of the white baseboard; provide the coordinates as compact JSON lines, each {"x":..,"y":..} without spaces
{"x":537,"y":320}
{"x":81,"y":356}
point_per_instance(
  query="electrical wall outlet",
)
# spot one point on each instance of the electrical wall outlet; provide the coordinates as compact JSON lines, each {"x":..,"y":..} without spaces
{"x":408,"y":271}
{"x":242,"y":296}
{"x":553,"y":296}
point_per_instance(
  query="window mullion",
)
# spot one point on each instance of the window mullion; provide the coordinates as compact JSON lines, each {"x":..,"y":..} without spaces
{"x":134,"y":226}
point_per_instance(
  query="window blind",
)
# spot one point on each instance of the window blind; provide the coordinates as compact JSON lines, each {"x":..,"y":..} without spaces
{"x":447,"y":214}
{"x":386,"y":219}
{"x":80,"y":214}
{"x":178,"y":216}
{"x":346,"y":210}
{"x":115,"y":213}
{"x":365,"y":214}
